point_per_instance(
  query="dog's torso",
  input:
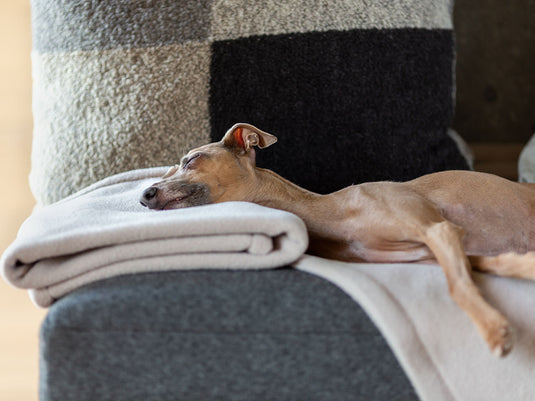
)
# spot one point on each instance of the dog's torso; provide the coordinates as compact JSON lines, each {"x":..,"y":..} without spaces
{"x":495,"y":214}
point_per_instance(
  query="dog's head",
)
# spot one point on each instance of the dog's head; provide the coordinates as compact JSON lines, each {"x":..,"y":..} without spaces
{"x":217,"y":172}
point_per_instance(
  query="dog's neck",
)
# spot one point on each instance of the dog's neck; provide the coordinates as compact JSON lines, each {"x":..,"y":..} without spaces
{"x":271,"y":190}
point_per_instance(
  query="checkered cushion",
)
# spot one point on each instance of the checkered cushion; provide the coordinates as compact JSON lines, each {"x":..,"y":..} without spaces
{"x":354,"y":90}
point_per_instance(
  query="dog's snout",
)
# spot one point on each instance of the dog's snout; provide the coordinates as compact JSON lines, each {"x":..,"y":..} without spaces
{"x":148,"y":195}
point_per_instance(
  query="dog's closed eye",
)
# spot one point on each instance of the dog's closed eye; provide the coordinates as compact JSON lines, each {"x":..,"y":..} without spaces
{"x":187,"y":162}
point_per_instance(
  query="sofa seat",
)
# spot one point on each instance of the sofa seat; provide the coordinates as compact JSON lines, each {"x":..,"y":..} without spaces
{"x":215,"y":335}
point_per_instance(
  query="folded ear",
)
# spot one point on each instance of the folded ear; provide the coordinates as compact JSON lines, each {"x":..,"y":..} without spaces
{"x":245,"y":136}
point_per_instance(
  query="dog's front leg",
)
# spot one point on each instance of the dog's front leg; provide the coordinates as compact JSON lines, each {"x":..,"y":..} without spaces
{"x":444,"y":239}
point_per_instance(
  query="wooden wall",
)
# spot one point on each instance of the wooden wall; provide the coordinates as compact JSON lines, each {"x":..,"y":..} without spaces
{"x":495,"y":108}
{"x":19,"y":318}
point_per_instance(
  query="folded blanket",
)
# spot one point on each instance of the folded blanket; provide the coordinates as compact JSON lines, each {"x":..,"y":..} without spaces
{"x":434,"y":341}
{"x":103,"y":231}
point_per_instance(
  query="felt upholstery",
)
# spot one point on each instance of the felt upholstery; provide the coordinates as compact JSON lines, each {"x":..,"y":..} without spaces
{"x":288,"y":336}
{"x":120,"y":85}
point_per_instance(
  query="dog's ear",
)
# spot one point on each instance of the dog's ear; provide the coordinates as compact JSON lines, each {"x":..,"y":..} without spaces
{"x":246,"y":136}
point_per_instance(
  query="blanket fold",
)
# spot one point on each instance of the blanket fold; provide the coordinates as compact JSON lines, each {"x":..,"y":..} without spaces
{"x":103,"y":231}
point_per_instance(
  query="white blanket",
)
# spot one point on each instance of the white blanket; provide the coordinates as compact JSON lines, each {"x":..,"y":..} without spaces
{"x":102,"y":232}
{"x":434,"y":340}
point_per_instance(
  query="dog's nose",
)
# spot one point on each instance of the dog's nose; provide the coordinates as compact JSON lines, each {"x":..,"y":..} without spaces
{"x":148,"y":195}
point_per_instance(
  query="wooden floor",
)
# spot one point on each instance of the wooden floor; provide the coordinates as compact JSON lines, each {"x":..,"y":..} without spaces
{"x":19,"y":318}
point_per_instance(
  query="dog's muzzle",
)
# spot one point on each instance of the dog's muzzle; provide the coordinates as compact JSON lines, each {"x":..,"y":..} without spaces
{"x":175,"y":194}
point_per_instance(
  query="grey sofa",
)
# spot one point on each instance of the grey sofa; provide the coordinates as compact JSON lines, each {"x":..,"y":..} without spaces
{"x":215,"y":336}
{"x":354,"y":92}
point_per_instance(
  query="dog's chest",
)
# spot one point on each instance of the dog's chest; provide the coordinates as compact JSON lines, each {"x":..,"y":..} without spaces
{"x":355,"y":240}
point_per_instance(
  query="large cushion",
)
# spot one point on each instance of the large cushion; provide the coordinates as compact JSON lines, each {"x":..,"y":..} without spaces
{"x":355,"y":90}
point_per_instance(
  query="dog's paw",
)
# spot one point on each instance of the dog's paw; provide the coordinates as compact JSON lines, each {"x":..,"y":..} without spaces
{"x":501,"y":339}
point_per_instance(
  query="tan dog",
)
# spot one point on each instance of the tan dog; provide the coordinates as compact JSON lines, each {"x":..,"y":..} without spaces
{"x":440,"y":217}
